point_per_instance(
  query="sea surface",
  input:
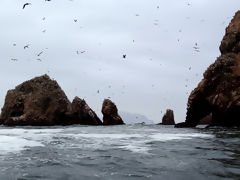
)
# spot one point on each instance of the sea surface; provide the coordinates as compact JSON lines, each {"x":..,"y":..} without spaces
{"x":119,"y":152}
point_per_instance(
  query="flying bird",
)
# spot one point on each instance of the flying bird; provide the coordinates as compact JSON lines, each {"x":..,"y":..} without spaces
{"x":25,"y":47}
{"x":75,"y":20}
{"x":80,"y":52}
{"x":40,"y":53}
{"x":26,"y":4}
{"x":14,"y":59}
{"x":124,"y":56}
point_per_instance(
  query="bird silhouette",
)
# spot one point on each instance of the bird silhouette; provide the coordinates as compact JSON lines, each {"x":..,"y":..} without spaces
{"x":26,"y":4}
{"x":40,"y":53}
{"x":25,"y":47}
{"x":124,"y":56}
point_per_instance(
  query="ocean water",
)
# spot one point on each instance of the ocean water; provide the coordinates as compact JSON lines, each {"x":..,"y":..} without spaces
{"x":119,"y":152}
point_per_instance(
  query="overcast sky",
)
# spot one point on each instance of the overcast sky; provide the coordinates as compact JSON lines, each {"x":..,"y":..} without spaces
{"x":157,"y":36}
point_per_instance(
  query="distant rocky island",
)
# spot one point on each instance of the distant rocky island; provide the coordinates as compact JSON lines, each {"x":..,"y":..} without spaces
{"x":215,"y":101}
{"x":41,"y":102}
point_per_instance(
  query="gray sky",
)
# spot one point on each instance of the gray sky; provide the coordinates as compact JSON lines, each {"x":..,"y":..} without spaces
{"x":161,"y":67}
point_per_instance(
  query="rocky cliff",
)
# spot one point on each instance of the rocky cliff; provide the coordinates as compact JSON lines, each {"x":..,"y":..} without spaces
{"x":219,"y":91}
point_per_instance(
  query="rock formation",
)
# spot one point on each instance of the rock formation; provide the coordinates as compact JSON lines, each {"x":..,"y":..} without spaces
{"x":110,"y":113}
{"x":168,"y":118}
{"x":219,"y":92}
{"x":83,"y":114}
{"x":41,"y":102}
{"x":206,"y":120}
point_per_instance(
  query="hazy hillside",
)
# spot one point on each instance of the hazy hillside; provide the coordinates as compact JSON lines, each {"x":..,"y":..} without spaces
{"x":132,"y":118}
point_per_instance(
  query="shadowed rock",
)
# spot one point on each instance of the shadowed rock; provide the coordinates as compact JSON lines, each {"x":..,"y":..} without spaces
{"x":83,"y":114}
{"x":41,"y":102}
{"x":219,"y":92}
{"x":207,"y":120}
{"x":168,"y":118}
{"x":110,"y":113}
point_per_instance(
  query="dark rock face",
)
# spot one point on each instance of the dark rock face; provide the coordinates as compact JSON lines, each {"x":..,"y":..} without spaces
{"x":219,"y":92}
{"x":110,"y":113}
{"x":41,"y":102}
{"x":168,"y":118}
{"x":83,"y":114}
{"x":207,"y":120}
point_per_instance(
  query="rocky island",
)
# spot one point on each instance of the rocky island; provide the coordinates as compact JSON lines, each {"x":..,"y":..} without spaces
{"x":218,"y":94}
{"x":41,"y":102}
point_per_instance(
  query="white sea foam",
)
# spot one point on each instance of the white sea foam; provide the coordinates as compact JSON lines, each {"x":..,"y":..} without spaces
{"x":14,"y":144}
{"x":14,"y":140}
{"x":108,"y":136}
{"x":170,"y":136}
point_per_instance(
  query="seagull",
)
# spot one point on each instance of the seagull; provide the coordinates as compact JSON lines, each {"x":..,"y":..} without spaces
{"x":27,"y":46}
{"x":26,"y":4}
{"x":80,"y":52}
{"x":75,"y":20}
{"x":39,"y":60}
{"x":40,"y":53}
{"x":124,"y":56}
{"x":14,"y":59}
{"x":44,"y":31}
{"x":43,"y":18}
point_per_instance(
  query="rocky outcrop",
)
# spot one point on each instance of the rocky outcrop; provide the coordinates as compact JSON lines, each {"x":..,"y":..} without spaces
{"x":168,"y":118}
{"x":82,"y":114}
{"x":219,"y":92}
{"x":110,"y":113}
{"x":41,"y":102}
{"x":207,"y":120}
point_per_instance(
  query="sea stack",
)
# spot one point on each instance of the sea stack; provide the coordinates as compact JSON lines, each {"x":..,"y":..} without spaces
{"x":41,"y":102}
{"x":168,"y":118}
{"x":83,"y":114}
{"x":110,"y":113}
{"x":219,"y":91}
